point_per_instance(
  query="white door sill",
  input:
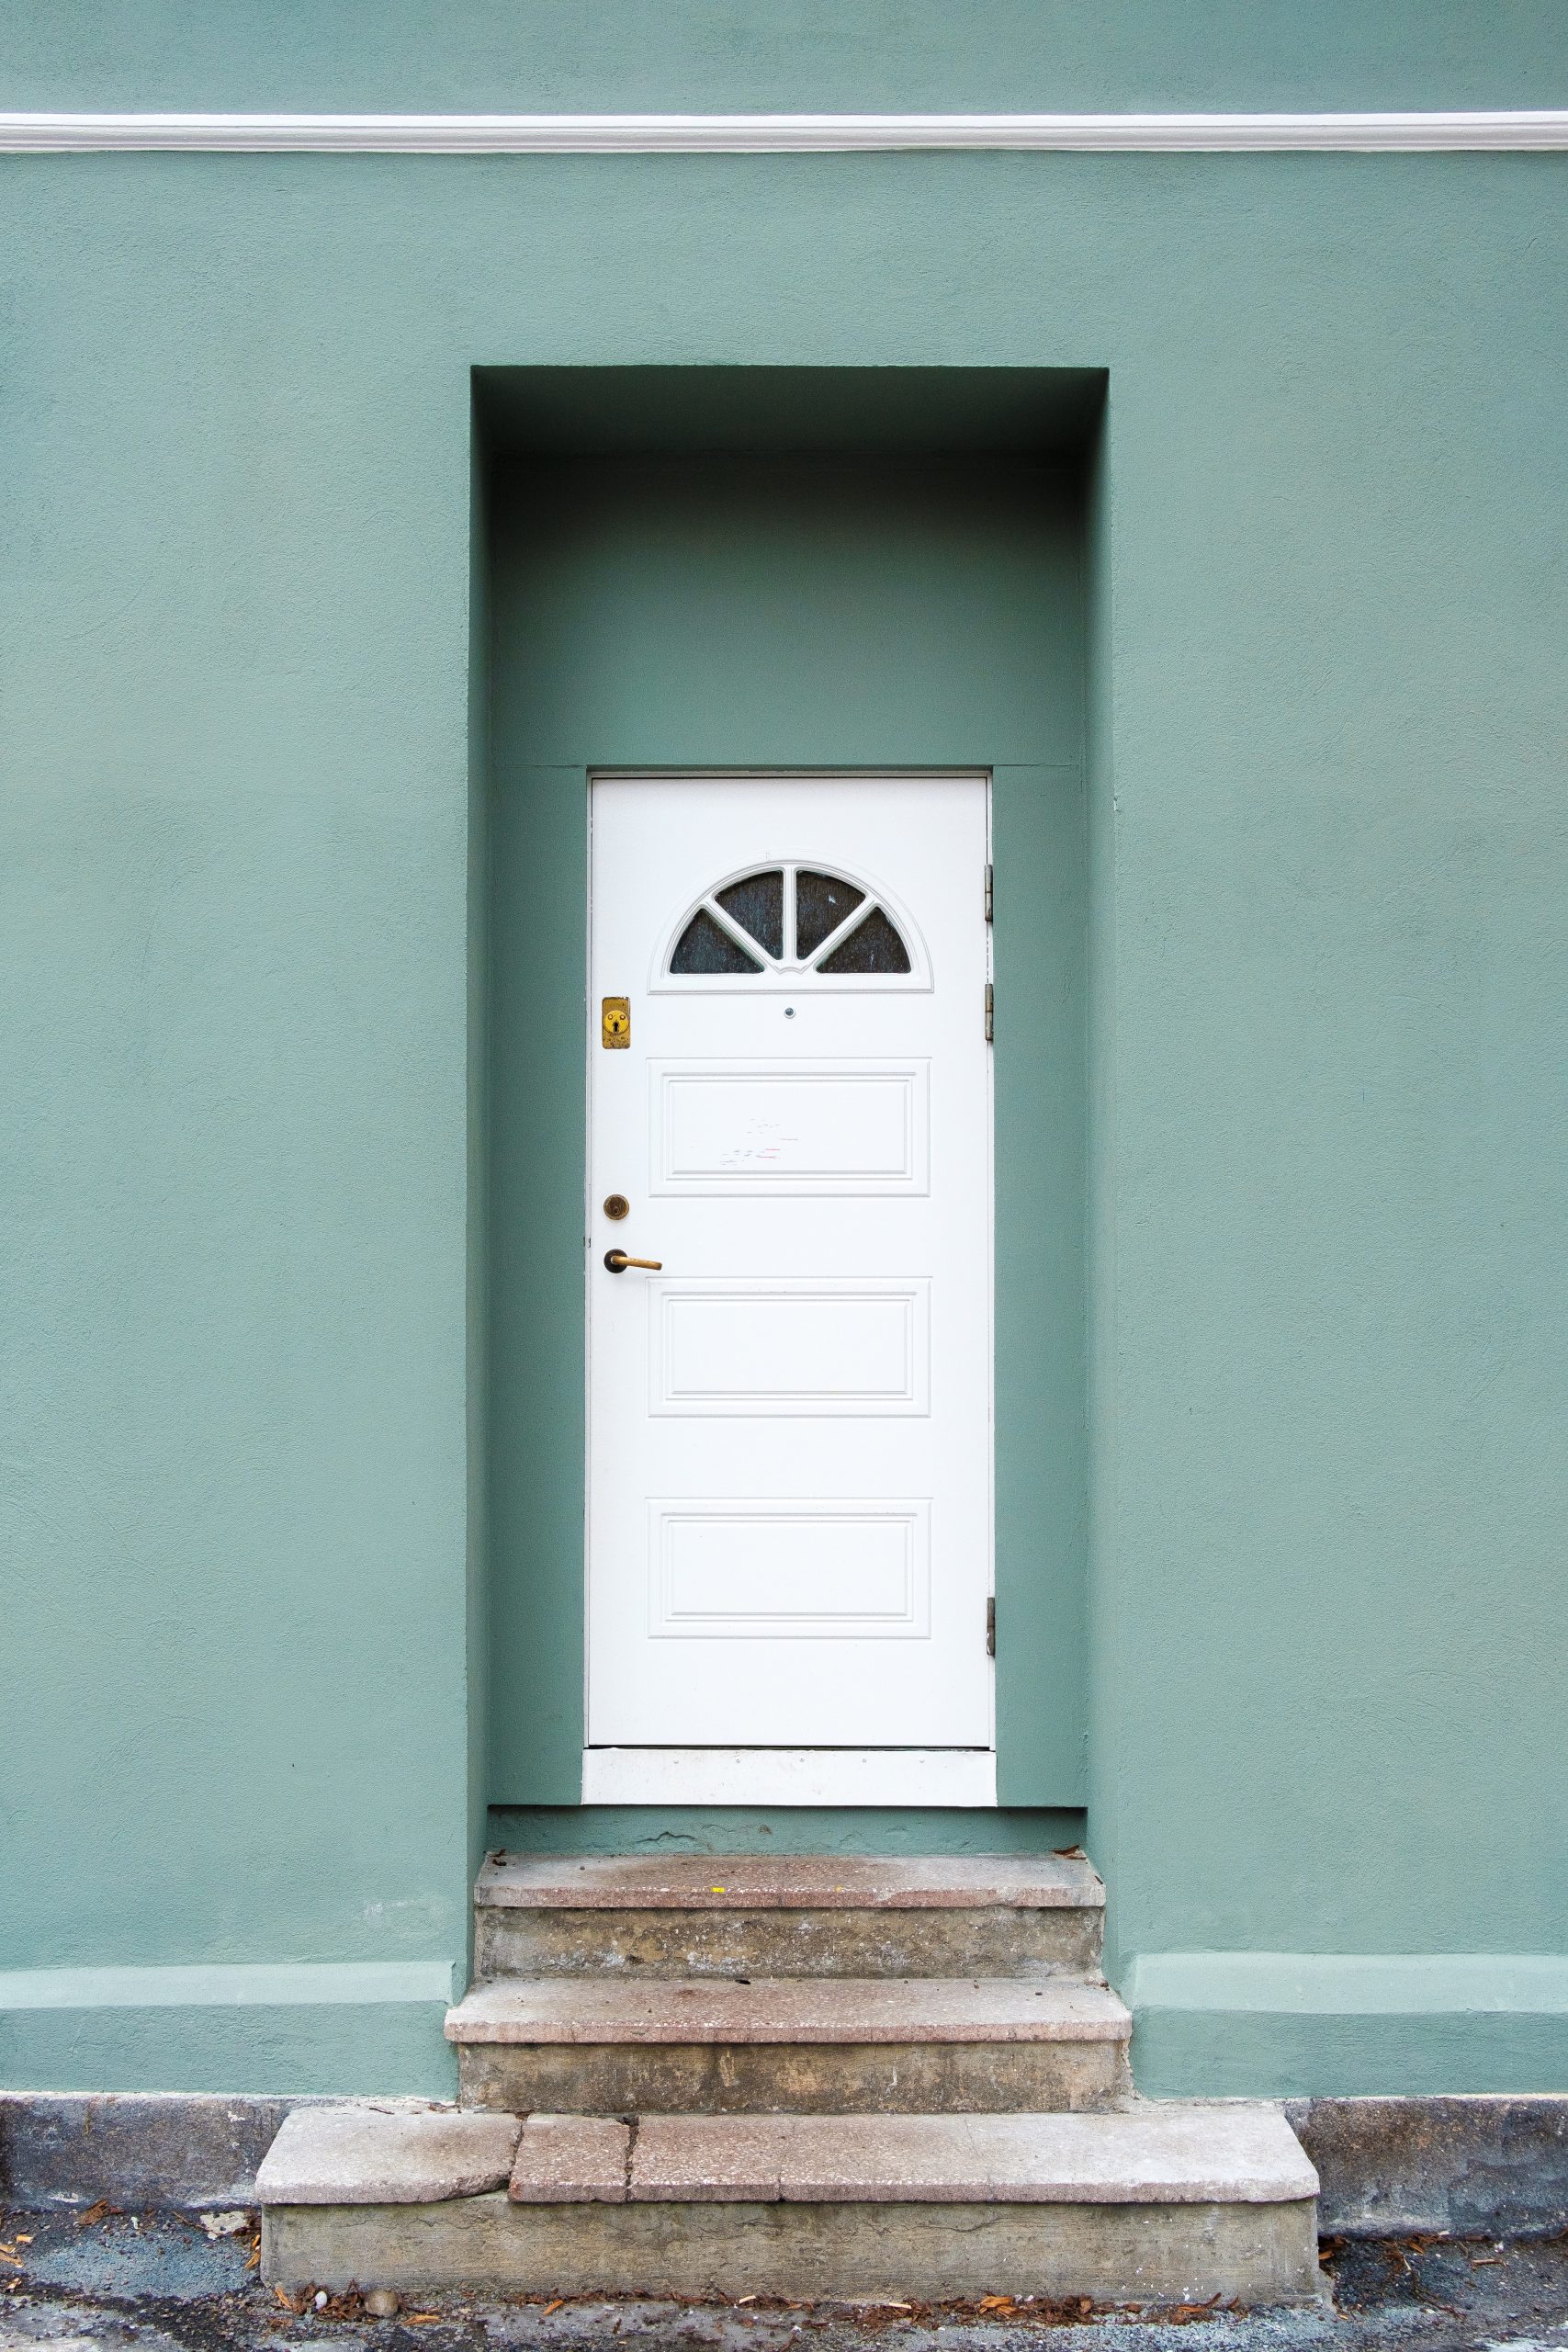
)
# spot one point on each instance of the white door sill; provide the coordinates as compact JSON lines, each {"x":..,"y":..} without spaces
{"x":902,"y":1776}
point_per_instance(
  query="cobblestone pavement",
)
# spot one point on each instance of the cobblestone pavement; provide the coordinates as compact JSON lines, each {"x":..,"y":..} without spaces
{"x":118,"y":2282}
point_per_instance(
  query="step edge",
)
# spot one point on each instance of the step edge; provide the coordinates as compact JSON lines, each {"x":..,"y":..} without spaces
{"x":1277,"y":2172}
{"x":891,"y":2192}
{"x":910,"y":2037}
{"x":1286,"y":2176}
{"x":1076,"y":1886}
{"x":979,"y":2193}
{"x":472,"y":2021}
{"x":316,"y":2146}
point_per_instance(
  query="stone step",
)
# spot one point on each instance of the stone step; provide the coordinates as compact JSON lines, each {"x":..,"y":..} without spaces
{"x":1165,"y":2203}
{"x":805,"y":1914}
{"x":830,"y":2045}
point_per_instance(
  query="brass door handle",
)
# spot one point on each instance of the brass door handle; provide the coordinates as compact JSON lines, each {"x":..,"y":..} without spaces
{"x":617,"y":1261}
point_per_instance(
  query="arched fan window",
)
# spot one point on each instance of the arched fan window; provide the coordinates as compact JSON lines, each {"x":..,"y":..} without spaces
{"x":791,"y":920}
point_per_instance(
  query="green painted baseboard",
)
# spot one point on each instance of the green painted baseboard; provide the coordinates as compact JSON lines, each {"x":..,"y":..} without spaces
{"x":1252,"y":2054}
{"x":350,"y":2027}
{"x":1348,"y":2025}
{"x":798,"y":1829}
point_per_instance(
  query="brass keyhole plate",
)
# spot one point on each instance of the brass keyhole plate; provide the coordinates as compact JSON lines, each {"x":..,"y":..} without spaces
{"x":618,"y":1206}
{"x":616,"y":1022}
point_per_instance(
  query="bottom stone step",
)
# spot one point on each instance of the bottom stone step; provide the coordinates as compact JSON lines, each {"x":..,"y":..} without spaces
{"x":1166,"y":2202}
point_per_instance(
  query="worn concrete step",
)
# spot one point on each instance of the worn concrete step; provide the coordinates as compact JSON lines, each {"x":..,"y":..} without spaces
{"x":1165,"y":2203}
{"x":789,"y":1915}
{"x":832,"y":2045}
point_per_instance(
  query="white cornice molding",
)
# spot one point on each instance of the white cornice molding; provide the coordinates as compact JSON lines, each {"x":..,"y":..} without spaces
{"x":1492,"y":131}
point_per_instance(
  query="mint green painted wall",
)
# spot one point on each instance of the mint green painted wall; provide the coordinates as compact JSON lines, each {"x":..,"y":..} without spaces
{"x":1329,"y":1149}
{"x":707,"y":55}
{"x":849,"y":612}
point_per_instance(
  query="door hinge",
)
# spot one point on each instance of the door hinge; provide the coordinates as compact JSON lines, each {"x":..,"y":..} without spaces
{"x":991,"y":1627}
{"x":990,"y":872}
{"x":990,"y":1014}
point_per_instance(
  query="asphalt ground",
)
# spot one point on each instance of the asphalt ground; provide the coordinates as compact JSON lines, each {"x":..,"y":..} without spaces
{"x":157,"y":2282}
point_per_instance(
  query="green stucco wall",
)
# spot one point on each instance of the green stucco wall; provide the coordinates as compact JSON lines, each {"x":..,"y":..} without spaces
{"x":1329,"y":856}
{"x":492,"y":56}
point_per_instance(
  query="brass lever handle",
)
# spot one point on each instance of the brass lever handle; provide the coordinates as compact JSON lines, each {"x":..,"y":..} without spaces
{"x":617,"y":1261}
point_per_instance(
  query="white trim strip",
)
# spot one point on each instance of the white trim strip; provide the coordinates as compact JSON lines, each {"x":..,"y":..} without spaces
{"x":1354,"y":1984}
{"x":229,"y":1985}
{"x":1505,"y":129}
{"x":903,"y":1776}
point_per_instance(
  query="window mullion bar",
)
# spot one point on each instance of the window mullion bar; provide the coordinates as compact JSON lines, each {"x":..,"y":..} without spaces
{"x":789,"y":957}
{"x":836,"y":938}
{"x":741,"y":937}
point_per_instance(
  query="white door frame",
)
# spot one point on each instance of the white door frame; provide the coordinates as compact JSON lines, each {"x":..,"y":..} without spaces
{"x":838,"y":1775}
{"x":774,"y":1776}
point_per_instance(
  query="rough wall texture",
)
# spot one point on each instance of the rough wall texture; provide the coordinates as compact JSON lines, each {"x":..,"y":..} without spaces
{"x":1327,"y":1298}
{"x":709,"y":55}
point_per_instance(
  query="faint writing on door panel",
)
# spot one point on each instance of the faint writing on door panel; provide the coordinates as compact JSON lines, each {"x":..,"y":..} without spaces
{"x":790,"y":1128}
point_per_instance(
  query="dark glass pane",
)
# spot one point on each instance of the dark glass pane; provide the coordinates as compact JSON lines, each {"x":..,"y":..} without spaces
{"x":873,"y":946}
{"x":706,"y":946}
{"x":757,"y":905}
{"x":821,"y":902}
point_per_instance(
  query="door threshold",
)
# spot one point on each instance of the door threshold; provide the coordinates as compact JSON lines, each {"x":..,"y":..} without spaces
{"x":896,"y":1776}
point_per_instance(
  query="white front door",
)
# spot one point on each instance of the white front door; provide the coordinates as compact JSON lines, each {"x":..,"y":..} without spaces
{"x":789,"y":1444}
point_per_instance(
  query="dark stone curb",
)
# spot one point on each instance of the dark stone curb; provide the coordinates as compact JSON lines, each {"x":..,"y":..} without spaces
{"x":1480,"y":2165}
{"x":186,"y":2150}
